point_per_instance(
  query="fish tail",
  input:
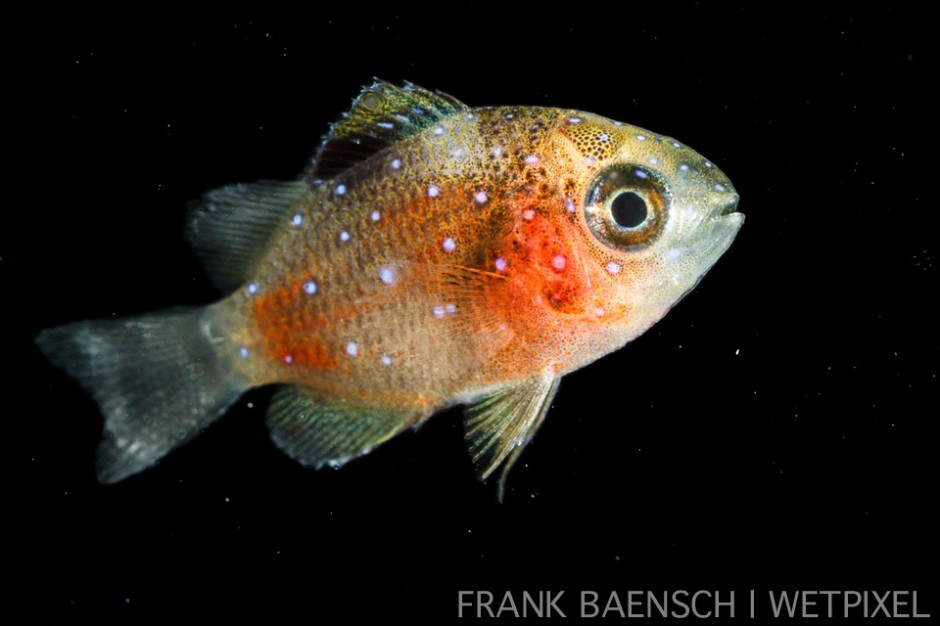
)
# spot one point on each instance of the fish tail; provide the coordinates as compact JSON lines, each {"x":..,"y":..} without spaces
{"x":158,"y":378}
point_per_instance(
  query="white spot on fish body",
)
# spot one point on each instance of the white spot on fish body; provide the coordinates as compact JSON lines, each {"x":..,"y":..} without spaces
{"x":438,"y":311}
{"x":386,"y":125}
{"x":604,"y":137}
{"x":387,"y":274}
{"x":386,"y":360}
{"x":375,"y":216}
{"x":449,"y":245}
{"x":438,"y":131}
{"x":559,"y":262}
{"x":509,"y":116}
{"x":288,"y":359}
{"x":252,"y":288}
{"x":297,"y":220}
{"x":641,"y":137}
{"x":469,"y":116}
{"x":344,"y":236}
{"x":433,"y":191}
{"x":480,"y":197}
{"x":457,"y":153}
{"x":640,"y":174}
{"x":451,"y":309}
{"x":673,"y":253}
{"x":684,"y":167}
{"x":707,"y":164}
{"x":654,"y":160}
{"x":310,"y":287}
{"x":340,"y":189}
{"x":574,"y":120}
{"x":719,"y":187}
{"x":676,"y":144}
{"x":396,"y":163}
{"x":243,"y":352}
{"x":613,"y":267}
{"x":352,"y":348}
{"x":528,"y":215}
{"x":531,"y":159}
{"x":500,"y":264}
{"x":591,"y":159}
{"x":569,"y":204}
{"x":497,"y":151}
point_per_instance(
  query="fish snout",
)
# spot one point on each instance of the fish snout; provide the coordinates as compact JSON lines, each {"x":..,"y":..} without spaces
{"x":723,"y":203}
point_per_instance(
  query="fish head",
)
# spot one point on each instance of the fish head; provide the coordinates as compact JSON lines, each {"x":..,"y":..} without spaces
{"x":654,"y":216}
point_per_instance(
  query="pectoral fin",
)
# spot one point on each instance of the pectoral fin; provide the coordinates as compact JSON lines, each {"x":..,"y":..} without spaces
{"x":499,"y":426}
{"x":318,"y":430}
{"x":463,"y":309}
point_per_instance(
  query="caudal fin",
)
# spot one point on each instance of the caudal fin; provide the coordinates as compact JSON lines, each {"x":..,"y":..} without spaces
{"x":158,"y":379}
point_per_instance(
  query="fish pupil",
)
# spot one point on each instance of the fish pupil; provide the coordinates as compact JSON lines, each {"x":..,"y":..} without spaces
{"x":628,"y":210}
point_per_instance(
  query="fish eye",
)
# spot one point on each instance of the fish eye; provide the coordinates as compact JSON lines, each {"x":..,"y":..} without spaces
{"x":626,"y":207}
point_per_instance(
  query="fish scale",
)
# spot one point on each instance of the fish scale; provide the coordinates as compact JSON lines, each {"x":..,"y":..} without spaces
{"x":432,"y":255}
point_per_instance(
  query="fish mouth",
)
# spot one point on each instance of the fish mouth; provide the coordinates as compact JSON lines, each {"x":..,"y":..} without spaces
{"x":729,"y":208}
{"x":728,"y":219}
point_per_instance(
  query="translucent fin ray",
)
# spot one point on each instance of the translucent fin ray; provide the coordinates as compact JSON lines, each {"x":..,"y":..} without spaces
{"x":229,"y":227}
{"x":499,"y":426}
{"x":318,"y":430}
{"x":159,"y":379}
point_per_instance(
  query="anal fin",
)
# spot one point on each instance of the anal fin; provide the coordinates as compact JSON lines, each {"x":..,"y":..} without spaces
{"x":499,"y":426}
{"x":318,"y":430}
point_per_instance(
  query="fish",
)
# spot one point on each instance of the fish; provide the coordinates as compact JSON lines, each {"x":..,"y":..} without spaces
{"x":431,"y":255}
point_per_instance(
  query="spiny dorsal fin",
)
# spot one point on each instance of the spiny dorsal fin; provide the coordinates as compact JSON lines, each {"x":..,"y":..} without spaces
{"x":382,"y":115}
{"x":501,"y":424}
{"x":318,"y":430}
{"x":229,"y":227}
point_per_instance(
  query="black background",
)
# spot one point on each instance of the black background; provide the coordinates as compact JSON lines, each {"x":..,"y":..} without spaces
{"x":773,"y":432}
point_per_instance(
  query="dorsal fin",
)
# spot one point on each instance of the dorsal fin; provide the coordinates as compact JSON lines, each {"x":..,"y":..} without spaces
{"x":229,"y":227}
{"x":383,"y":114}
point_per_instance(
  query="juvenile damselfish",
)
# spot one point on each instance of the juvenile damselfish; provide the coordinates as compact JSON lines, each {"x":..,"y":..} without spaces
{"x":432,"y":255}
